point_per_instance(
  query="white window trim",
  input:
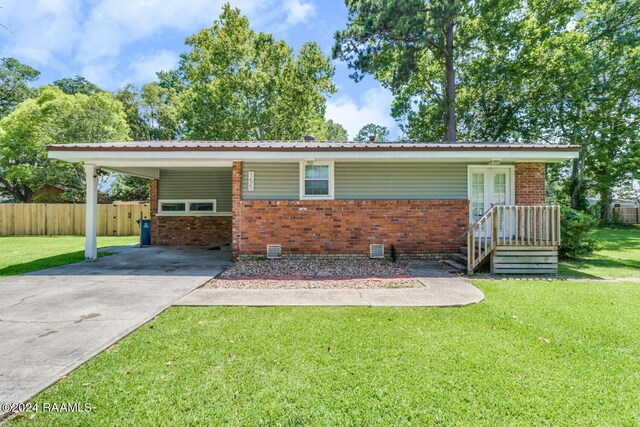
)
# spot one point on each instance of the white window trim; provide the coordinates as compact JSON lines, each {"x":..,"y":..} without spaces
{"x":331,"y":194}
{"x":188,"y":211}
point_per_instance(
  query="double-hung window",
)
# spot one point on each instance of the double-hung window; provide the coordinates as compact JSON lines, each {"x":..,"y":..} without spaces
{"x":316,"y":180}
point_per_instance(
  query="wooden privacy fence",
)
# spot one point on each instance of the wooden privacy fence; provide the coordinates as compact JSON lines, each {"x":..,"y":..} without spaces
{"x":628,"y":215}
{"x":58,"y":219}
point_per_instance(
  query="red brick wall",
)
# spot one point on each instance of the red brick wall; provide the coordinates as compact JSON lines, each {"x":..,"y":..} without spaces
{"x":236,"y":206}
{"x":186,"y":230}
{"x":191,"y":230}
{"x":153,"y":196}
{"x":530,"y":183}
{"x":349,"y":226}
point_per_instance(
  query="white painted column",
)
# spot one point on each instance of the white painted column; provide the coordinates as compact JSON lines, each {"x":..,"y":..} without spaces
{"x":91,"y":228}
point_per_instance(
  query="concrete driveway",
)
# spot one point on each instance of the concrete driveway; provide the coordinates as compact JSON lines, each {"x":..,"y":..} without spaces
{"x":53,"y":320}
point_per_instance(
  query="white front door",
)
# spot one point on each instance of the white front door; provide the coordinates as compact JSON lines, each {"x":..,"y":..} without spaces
{"x":487,"y":186}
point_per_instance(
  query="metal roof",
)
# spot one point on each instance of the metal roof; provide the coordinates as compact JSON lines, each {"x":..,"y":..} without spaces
{"x":305,"y":146}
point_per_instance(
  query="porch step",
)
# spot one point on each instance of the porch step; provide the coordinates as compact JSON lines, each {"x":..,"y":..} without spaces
{"x":461,"y":258}
{"x":456,"y":265}
{"x":464,"y":250}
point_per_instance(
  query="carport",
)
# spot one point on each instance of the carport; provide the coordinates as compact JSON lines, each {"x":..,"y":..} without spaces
{"x":195,"y":181}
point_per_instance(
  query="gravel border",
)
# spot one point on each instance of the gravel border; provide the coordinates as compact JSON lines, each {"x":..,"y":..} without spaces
{"x":307,"y":268}
{"x":363,"y":283}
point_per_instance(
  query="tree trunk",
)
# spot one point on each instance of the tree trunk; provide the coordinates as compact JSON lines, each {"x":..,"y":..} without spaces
{"x":450,"y":83}
{"x":606,"y":198}
{"x":577,"y":179}
{"x":18,"y":192}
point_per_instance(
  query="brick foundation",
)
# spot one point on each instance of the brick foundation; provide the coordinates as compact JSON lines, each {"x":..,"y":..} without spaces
{"x":191,"y":230}
{"x":530,"y":183}
{"x":186,"y":230}
{"x":349,"y":226}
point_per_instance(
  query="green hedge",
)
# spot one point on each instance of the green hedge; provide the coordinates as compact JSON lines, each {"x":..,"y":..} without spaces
{"x":576,"y":231}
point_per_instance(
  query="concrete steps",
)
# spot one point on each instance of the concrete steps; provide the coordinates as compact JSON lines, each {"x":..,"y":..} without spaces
{"x":456,"y":265}
{"x":461,"y":258}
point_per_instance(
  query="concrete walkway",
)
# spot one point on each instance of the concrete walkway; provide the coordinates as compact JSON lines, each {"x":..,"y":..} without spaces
{"x":53,"y":320}
{"x":440,"y":289}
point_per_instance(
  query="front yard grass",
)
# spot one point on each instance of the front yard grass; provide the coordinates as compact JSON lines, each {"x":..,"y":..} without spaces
{"x":534,"y":352}
{"x":618,"y":256}
{"x":24,"y":254}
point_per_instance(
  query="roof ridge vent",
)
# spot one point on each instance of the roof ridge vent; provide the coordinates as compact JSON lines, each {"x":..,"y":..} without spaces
{"x":309,"y":137}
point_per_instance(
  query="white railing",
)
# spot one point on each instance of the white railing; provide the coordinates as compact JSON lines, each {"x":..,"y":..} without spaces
{"x":527,"y":225}
{"x":479,"y":241}
{"x":511,"y":226}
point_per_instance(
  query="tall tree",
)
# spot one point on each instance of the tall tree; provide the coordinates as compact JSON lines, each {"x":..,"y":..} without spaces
{"x":381,"y":133}
{"x":331,"y":131}
{"x":129,"y":96}
{"x":593,"y":99}
{"x":395,"y":40}
{"x":127,"y":188}
{"x":151,"y":115}
{"x":52,"y":118}
{"x":77,"y":84}
{"x":14,"y":84}
{"x":151,"y":111}
{"x":247,"y":85}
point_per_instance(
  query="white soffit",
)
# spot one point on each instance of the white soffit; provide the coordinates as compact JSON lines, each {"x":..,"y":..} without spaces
{"x":165,"y":158}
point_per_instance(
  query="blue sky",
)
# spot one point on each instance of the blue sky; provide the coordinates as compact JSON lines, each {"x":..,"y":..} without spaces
{"x":115,"y":42}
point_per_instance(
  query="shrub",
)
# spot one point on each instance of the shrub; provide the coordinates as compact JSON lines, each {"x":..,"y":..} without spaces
{"x":576,"y":229}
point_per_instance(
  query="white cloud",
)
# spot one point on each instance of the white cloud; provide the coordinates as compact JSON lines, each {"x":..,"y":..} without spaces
{"x":40,"y":30}
{"x":374,"y":106}
{"x":298,"y":12}
{"x":92,"y":37}
{"x":143,"y":68}
{"x":113,"y":24}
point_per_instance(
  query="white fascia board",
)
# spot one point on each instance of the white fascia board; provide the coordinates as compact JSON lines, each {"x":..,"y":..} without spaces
{"x":224,"y":158}
{"x":151,"y":173}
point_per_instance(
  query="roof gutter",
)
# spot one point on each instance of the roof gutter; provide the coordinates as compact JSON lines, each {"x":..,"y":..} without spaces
{"x":187,"y":158}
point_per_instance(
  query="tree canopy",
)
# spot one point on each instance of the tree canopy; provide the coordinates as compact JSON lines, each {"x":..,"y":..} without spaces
{"x":14,"y":84}
{"x":401,"y":41}
{"x":381,"y":133}
{"x":554,"y":72}
{"x":77,"y":84}
{"x":54,"y":117}
{"x":331,"y":131}
{"x":246,"y":85}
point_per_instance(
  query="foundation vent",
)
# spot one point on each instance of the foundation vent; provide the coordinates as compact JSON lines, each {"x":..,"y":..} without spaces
{"x":274,"y":251}
{"x":376,"y":250}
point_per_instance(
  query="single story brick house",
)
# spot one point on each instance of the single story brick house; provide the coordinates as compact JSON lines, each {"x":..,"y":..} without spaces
{"x":333,"y":198}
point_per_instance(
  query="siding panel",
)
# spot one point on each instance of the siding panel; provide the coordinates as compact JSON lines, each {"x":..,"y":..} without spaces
{"x":197,"y":183}
{"x":363,"y":181}
{"x":400,"y":180}
{"x":273,"y":181}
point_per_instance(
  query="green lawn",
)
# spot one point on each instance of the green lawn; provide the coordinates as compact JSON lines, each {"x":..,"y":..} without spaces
{"x":618,"y":257}
{"x":535,"y":352}
{"x":25,"y":254}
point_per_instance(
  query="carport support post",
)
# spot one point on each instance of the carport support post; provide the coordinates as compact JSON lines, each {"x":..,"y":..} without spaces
{"x":91,"y":210}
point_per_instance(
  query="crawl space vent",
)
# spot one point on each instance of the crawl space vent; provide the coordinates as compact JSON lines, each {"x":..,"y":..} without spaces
{"x":376,"y":250}
{"x":274,"y":251}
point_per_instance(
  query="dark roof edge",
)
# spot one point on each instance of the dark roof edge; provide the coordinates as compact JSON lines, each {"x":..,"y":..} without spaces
{"x":390,"y":147}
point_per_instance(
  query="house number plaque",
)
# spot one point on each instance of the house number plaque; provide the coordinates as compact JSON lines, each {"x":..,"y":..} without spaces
{"x":251,"y":181}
